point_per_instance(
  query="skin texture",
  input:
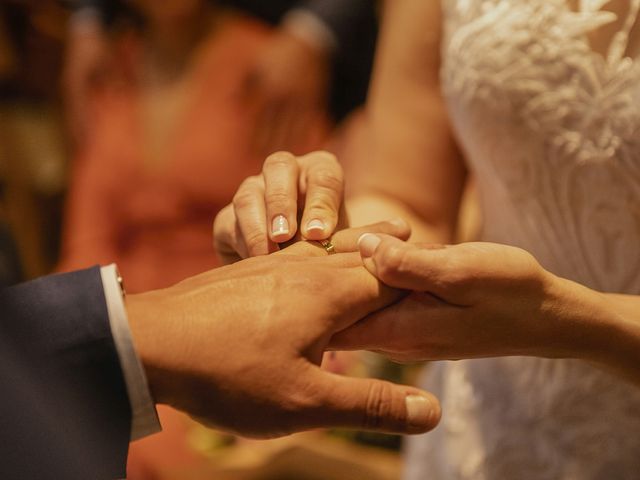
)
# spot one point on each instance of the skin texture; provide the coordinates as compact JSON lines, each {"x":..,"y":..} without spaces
{"x":239,"y":347}
{"x":478,"y":300}
{"x":468,"y":301}
{"x":245,"y":227}
{"x":500,"y":293}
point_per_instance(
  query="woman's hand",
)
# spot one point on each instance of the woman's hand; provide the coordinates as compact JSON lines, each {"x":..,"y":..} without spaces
{"x":265,"y":209}
{"x":470,"y":300}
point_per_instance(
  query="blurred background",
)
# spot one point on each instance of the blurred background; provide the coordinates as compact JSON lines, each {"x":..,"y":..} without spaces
{"x":126,"y":125}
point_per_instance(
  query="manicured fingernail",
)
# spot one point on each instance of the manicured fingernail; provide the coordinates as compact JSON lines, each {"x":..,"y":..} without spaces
{"x":367,"y":243}
{"x":420,"y":412}
{"x":280,"y":226}
{"x":315,"y":224}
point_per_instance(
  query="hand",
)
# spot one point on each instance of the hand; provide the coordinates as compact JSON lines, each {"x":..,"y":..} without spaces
{"x":290,"y":83}
{"x":264,"y":211}
{"x":86,"y":59}
{"x":239,"y":347}
{"x":469,"y":300}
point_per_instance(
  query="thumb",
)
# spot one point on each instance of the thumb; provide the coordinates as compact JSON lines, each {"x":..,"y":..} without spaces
{"x":405,"y":265}
{"x":375,"y":405}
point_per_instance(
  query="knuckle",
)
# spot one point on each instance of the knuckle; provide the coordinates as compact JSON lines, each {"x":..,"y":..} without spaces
{"x":279,"y":200}
{"x":322,"y":156}
{"x":455,"y":273}
{"x":391,"y":262}
{"x":320,"y":205}
{"x":331,"y":179}
{"x":278,"y":160}
{"x":255,"y":241}
{"x":379,"y":405}
{"x":243,"y":200}
{"x":248,"y":192}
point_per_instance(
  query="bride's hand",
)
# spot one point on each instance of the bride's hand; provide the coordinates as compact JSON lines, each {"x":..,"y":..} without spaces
{"x":265,"y":209}
{"x":468,"y":301}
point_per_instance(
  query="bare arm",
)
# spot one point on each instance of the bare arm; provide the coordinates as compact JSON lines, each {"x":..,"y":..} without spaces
{"x":413,"y":168}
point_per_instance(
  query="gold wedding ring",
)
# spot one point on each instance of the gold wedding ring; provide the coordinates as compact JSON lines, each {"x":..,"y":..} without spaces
{"x":328,"y":246}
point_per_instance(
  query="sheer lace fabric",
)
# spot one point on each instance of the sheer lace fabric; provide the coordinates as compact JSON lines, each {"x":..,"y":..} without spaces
{"x":551,"y":130}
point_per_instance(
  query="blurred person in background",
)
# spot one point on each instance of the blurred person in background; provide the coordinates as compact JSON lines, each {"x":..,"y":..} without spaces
{"x":168,"y":147}
{"x":321,"y":54}
{"x":32,"y":157}
{"x":169,"y":143}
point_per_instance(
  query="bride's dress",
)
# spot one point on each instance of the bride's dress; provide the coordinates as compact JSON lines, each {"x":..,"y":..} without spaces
{"x":551,"y":129}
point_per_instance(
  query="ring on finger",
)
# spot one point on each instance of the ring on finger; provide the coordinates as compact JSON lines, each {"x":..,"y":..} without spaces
{"x":328,"y":246}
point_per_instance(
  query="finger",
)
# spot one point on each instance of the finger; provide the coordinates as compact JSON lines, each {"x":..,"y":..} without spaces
{"x":354,"y":292}
{"x":374,"y":405}
{"x":324,"y":188}
{"x":397,"y":329}
{"x":248,"y":205}
{"x":280,"y":173}
{"x":225,"y":241}
{"x":346,"y":241}
{"x":404,"y":265}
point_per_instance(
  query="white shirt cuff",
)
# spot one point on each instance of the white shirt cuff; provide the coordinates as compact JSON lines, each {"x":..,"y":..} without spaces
{"x":144,"y":417}
{"x":311,"y":29}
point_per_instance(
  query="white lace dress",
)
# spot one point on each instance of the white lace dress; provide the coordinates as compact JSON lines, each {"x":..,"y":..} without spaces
{"x":551,"y":130}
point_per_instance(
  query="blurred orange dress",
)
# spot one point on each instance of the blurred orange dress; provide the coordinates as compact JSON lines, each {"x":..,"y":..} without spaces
{"x":155,"y":220}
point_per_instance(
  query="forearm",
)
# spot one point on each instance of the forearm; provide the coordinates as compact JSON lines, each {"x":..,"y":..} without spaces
{"x":368,"y":207}
{"x":603,"y":328}
{"x":621,"y":350}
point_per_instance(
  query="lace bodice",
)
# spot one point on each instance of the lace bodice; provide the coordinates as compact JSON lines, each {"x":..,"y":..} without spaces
{"x":551,"y":129}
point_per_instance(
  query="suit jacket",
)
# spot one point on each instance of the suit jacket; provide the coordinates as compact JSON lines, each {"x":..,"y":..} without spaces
{"x":64,"y":408}
{"x":353,"y":22}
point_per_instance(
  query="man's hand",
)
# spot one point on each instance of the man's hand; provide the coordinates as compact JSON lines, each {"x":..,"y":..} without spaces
{"x":289,"y":82}
{"x":239,"y":347}
{"x":468,"y":301}
{"x":265,"y":209}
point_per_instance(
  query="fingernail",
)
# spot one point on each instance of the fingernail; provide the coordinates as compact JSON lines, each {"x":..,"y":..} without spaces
{"x":280,"y":226}
{"x":399,"y":222}
{"x":420,"y":412}
{"x":367,"y":243}
{"x":315,"y":224}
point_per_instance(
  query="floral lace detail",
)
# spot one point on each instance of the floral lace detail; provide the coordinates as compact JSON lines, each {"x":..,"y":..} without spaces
{"x":577,"y":94}
{"x":528,"y":66}
{"x":551,"y":130}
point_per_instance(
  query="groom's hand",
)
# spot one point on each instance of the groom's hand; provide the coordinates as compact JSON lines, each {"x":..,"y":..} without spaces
{"x":239,"y":347}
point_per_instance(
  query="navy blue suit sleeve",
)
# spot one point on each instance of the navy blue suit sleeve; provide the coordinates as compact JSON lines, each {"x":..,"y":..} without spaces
{"x":64,"y":408}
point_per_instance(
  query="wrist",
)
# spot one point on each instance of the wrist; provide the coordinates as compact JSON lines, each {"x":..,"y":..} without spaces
{"x":144,"y":313}
{"x":584,"y":322}
{"x":620,"y":342}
